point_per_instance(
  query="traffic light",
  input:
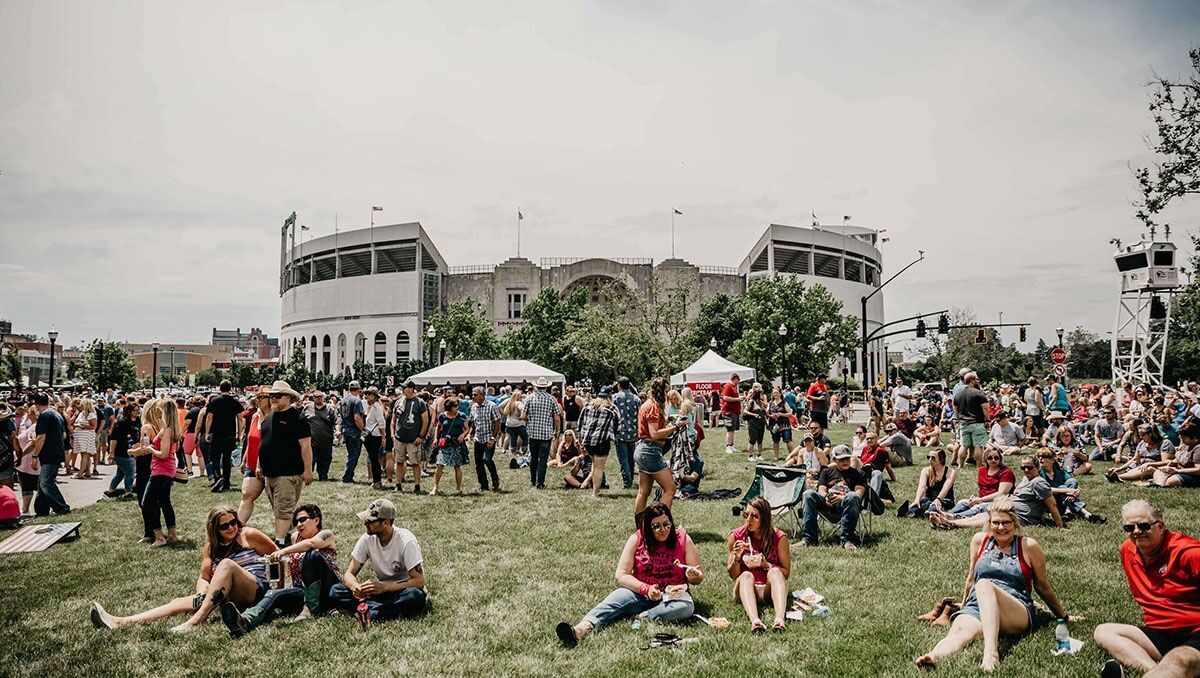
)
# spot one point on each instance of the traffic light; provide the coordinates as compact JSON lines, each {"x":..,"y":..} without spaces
{"x":1023,"y":333}
{"x":980,"y":336}
{"x":943,"y":324}
{"x":920,"y":328}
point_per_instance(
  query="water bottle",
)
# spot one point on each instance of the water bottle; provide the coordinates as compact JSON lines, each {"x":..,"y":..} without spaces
{"x":1062,"y":636}
{"x":637,"y":624}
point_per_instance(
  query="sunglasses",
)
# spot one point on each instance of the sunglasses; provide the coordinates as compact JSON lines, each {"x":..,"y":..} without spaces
{"x":993,"y":458}
{"x":301,"y":520}
{"x":275,"y":396}
{"x":660,"y":527}
{"x":1141,"y":527}
{"x":225,"y":526}
{"x":1027,"y":468}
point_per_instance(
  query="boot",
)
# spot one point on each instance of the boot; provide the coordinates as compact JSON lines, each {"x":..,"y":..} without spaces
{"x":312,"y":598}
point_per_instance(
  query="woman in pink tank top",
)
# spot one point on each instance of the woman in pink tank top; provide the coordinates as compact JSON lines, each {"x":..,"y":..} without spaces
{"x":656,"y":568}
{"x":759,"y":564}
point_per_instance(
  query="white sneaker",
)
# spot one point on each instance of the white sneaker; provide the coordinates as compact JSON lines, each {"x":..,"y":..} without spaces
{"x":730,"y":449}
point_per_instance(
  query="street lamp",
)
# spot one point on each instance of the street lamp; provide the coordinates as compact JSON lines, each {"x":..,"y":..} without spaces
{"x":53,"y":334}
{"x":868,"y":365}
{"x":1059,"y":332}
{"x":154,"y":374}
{"x":442,"y":351}
{"x":783,"y":330}
{"x":100,"y":369}
{"x":431,"y":334}
{"x":712,"y":343}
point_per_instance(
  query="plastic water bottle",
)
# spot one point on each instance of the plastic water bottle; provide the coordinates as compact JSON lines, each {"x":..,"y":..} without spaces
{"x":637,"y":625}
{"x":1063,"y":637}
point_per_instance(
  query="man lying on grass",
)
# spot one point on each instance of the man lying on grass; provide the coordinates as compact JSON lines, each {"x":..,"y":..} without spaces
{"x":395,"y":555}
{"x":231,"y":569}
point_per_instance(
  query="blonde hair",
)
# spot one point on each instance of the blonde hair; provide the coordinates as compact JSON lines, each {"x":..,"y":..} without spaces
{"x":152,"y":414}
{"x":170,"y":415}
{"x":87,"y":407}
{"x":1004,"y":505}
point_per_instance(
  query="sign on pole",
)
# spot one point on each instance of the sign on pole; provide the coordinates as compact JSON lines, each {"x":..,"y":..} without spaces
{"x":1060,"y":370}
{"x":391,"y":381}
{"x":1058,"y":356}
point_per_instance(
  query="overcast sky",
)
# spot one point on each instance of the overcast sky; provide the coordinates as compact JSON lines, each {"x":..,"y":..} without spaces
{"x":148,"y":153}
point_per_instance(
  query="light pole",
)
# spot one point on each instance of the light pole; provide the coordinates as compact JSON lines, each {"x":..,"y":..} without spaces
{"x":867,"y":362}
{"x":1059,"y":332}
{"x":431,"y":334}
{"x":154,"y":374}
{"x":783,"y":330}
{"x":441,"y":351}
{"x":53,"y":334}
{"x":100,"y":369}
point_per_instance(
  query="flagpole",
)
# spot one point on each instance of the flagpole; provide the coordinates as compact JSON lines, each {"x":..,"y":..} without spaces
{"x":518,"y":232}
{"x":672,"y":232}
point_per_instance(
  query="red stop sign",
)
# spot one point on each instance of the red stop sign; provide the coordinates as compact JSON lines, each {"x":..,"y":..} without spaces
{"x":1058,"y":356}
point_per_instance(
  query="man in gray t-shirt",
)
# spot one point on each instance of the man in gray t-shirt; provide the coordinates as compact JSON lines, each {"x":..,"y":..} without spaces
{"x":898,"y":444}
{"x":1107,"y":435}
{"x":1006,"y":436}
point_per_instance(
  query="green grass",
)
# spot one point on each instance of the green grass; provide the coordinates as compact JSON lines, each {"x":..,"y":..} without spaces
{"x":502,"y":570}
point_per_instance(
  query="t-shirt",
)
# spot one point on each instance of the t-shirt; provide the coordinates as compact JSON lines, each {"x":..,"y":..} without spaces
{"x":1009,"y":436}
{"x":627,"y":405}
{"x":1033,"y":401}
{"x":193,"y":415}
{"x":908,"y":425}
{"x":989,"y":484}
{"x":348,"y":407}
{"x":730,"y":406}
{"x":1110,"y":432}
{"x":408,"y":419}
{"x":1165,"y":587}
{"x":820,"y":397}
{"x":876,"y":457}
{"x":650,"y":413}
{"x":321,"y":421}
{"x":1028,"y":500}
{"x":392,"y":562}
{"x":279,"y":448}
{"x":969,"y":404}
{"x":789,"y":397}
{"x":50,"y":423}
{"x":224,"y":410}
{"x":901,"y":445}
{"x":831,"y":475}
{"x":123,"y":431}
{"x":8,"y":457}
{"x":901,"y":398}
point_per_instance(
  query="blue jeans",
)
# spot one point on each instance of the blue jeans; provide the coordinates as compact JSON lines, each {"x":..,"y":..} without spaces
{"x":625,"y":459}
{"x":539,"y":456}
{"x":124,"y":472}
{"x":1103,"y":453}
{"x":353,"y":440}
{"x":484,"y":464}
{"x":49,"y":497}
{"x":623,"y":603}
{"x":404,"y":603}
{"x":963,"y":509}
{"x":1064,"y":503}
{"x":844,"y":513}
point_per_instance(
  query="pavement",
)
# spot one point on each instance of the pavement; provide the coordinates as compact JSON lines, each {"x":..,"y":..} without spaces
{"x":80,"y":493}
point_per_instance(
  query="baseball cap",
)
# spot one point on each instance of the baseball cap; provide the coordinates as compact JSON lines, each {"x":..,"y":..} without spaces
{"x":890,"y":427}
{"x":380,"y":509}
{"x":353,"y":386}
{"x":841,"y":452}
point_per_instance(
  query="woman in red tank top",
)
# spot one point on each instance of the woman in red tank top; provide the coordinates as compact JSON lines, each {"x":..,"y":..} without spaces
{"x":759,"y":564}
{"x":656,"y":568}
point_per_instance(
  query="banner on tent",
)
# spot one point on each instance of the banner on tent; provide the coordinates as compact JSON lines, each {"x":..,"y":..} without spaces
{"x":704,"y":388}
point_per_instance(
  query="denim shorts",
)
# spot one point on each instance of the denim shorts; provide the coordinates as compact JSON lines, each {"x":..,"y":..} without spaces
{"x":649,"y":457}
{"x":1188,"y":480}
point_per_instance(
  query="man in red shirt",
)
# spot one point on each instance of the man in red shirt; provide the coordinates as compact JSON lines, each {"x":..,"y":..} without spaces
{"x":1163,"y":569}
{"x":731,"y":411}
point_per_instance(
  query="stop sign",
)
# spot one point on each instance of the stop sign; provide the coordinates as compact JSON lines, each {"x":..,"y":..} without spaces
{"x":1058,"y":356}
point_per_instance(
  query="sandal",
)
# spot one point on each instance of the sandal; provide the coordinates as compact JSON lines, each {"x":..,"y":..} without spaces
{"x":758,"y":628}
{"x":779,"y":626}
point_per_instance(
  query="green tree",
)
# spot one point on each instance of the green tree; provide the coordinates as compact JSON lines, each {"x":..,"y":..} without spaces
{"x":294,"y":371}
{"x":115,"y":370}
{"x":1088,"y":355}
{"x":10,"y":365}
{"x":546,"y":322}
{"x":210,"y":376}
{"x":468,"y":335}
{"x":242,"y":375}
{"x":718,"y":319}
{"x":817,"y":331}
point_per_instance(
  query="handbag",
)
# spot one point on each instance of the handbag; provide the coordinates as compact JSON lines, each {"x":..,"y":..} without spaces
{"x":442,"y":442}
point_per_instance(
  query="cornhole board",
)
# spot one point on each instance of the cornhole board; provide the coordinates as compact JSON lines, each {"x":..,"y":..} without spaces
{"x":34,"y":538}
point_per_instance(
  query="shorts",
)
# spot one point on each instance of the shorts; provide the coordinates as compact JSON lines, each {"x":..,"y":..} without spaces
{"x":1165,"y":640}
{"x":731,"y":421}
{"x":1188,"y":480}
{"x":29,"y":483}
{"x":189,"y":443}
{"x":972,"y":435}
{"x":600,"y":450}
{"x":284,"y":494}
{"x":784,"y":433}
{"x":821,"y":418}
{"x":649,"y":457}
{"x":408,"y":453}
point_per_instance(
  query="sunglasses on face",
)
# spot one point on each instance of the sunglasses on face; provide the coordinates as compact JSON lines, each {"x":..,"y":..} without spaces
{"x":660,"y":527}
{"x":1002,"y":523}
{"x":301,"y":520}
{"x":275,"y":396}
{"x":1027,"y":468}
{"x":1141,"y":527}
{"x":993,"y":458}
{"x":225,"y":526}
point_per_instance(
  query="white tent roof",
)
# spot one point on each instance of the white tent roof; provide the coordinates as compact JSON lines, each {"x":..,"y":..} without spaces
{"x":484,"y":371}
{"x":711,"y":367}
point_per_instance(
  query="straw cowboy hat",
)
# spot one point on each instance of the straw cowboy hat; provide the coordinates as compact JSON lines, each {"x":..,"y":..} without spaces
{"x":541,"y":382}
{"x":281,"y":387}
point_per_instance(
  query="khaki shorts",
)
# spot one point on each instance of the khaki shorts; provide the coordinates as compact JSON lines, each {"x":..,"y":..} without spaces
{"x":408,"y":452}
{"x":284,"y":494}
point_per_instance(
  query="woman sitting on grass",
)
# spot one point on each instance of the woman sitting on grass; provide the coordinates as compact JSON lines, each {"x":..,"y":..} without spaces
{"x":1005,"y":569}
{"x":230,"y":569}
{"x":1184,"y":469}
{"x":312,"y":564}
{"x":935,"y":487}
{"x":995,"y":480}
{"x":1070,"y":452}
{"x":1064,"y":487}
{"x":579,"y":470}
{"x":1152,"y":452}
{"x":656,"y":567}
{"x":927,"y":434}
{"x":759,"y":563}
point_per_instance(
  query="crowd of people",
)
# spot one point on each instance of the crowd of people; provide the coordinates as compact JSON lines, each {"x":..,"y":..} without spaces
{"x":279,"y":441}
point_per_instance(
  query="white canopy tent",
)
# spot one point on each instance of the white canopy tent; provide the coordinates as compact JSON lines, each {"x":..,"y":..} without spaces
{"x":711,"y":367}
{"x":481,"y":372}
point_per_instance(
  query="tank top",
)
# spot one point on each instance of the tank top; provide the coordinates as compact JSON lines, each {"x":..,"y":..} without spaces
{"x":658,"y":567}
{"x":246,"y":557}
{"x":329,"y":553}
{"x":1009,"y":570}
{"x":935,"y":487}
{"x":760,"y":575}
{"x":571,"y":409}
{"x":253,"y":439}
{"x":162,"y":467}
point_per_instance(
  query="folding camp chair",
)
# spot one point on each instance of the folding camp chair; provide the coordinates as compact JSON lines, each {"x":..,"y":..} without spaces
{"x":782,"y":487}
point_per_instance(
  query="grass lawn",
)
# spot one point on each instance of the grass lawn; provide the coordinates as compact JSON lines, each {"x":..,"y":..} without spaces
{"x":502,"y":570}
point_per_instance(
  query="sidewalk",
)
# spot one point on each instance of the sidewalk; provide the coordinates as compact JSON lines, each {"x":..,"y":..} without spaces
{"x":81,"y":493}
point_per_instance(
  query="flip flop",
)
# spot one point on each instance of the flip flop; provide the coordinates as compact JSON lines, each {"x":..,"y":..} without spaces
{"x":779,"y":626}
{"x":758,"y":628}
